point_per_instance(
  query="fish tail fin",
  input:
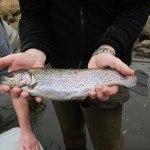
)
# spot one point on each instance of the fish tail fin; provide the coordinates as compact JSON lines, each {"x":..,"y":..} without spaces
{"x":142,"y":83}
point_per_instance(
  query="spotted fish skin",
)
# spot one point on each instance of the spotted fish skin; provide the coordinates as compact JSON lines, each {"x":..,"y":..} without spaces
{"x":67,"y":84}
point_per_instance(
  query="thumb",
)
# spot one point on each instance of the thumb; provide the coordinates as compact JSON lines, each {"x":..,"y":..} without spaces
{"x":121,"y":67}
{"x":6,"y":61}
{"x":39,"y":64}
{"x":92,"y":63}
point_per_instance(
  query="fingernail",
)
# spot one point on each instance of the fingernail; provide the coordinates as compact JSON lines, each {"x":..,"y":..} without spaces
{"x":24,"y":95}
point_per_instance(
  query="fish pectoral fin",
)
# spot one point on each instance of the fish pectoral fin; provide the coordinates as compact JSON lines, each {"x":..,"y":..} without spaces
{"x":32,"y":86}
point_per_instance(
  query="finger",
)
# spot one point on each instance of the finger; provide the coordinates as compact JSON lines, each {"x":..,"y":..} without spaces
{"x":101,"y":95}
{"x":121,"y":67}
{"x":110,"y":90}
{"x":38,"y":99}
{"x":6,"y":61}
{"x":21,"y":147}
{"x":37,"y":146}
{"x":92,"y":63}
{"x":15,"y":92}
{"x":27,"y":146}
{"x":25,"y":95}
{"x":34,"y":145}
{"x":93,"y":95}
{"x":24,"y":148}
{"x":5,"y":88}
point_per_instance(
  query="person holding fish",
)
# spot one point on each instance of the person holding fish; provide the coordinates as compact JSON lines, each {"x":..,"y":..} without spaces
{"x":10,"y":44}
{"x":79,"y":34}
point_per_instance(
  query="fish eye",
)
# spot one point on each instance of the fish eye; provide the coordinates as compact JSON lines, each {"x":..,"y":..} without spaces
{"x":18,"y":77}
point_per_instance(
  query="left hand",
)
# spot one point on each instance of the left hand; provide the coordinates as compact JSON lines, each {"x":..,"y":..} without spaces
{"x":28,"y":59}
{"x":102,"y":60}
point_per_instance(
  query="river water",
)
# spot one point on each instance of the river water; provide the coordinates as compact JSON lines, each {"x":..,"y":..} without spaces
{"x":135,"y":120}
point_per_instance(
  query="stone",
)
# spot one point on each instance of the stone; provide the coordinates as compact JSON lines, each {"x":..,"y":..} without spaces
{"x":145,"y":44}
{"x":145,"y":34}
{"x":145,"y":51}
{"x":141,"y":52}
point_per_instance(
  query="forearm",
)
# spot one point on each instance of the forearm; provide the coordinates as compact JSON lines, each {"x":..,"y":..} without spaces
{"x":27,"y":138}
{"x":22,"y":111}
{"x":34,"y":27}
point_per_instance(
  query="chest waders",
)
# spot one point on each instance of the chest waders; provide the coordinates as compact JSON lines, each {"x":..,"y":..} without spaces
{"x":103,"y":122}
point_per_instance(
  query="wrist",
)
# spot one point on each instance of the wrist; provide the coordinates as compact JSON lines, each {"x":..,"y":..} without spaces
{"x":25,"y":129}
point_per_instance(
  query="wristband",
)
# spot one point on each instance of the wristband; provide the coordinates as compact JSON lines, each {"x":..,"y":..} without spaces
{"x":103,"y":50}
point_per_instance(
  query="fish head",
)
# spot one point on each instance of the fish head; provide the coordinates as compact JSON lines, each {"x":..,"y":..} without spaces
{"x":17,"y":78}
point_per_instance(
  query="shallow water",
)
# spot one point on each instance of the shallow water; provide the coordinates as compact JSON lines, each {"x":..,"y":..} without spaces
{"x":135,"y":121}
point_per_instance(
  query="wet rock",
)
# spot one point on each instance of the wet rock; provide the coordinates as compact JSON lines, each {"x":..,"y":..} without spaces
{"x":142,"y":53}
{"x":145,"y":35}
{"x":8,"y":118}
{"x":9,"y":10}
{"x":9,"y":7}
{"x":145,"y":51}
{"x":145,"y":44}
{"x":142,"y":49}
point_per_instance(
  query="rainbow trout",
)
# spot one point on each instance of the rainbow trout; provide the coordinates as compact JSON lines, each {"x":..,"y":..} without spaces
{"x":70,"y":84}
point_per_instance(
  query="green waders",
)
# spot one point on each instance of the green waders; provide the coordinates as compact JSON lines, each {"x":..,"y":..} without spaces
{"x":103,"y":122}
{"x":72,"y":124}
{"x":104,"y":125}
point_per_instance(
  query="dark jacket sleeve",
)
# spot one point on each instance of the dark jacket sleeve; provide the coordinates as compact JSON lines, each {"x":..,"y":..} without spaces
{"x":34,"y":28}
{"x":130,"y":20}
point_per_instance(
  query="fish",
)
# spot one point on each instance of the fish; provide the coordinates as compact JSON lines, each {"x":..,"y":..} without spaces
{"x":72,"y":84}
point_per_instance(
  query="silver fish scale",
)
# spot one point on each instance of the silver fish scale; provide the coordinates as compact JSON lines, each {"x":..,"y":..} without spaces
{"x":74,"y":84}
{"x":58,"y":84}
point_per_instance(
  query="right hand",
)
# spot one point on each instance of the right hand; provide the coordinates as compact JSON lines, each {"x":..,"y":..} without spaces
{"x":30,"y":58}
{"x":102,"y":60}
{"x":28,"y":141}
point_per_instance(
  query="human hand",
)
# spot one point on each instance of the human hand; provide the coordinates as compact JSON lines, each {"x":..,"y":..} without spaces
{"x":28,"y":141}
{"x":103,"y":60}
{"x":28,"y":59}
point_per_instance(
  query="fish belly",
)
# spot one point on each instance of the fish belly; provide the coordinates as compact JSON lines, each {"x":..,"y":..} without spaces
{"x":59,"y":94}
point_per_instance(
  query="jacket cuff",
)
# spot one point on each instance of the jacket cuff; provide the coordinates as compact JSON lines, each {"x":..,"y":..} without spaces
{"x":108,"y":41}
